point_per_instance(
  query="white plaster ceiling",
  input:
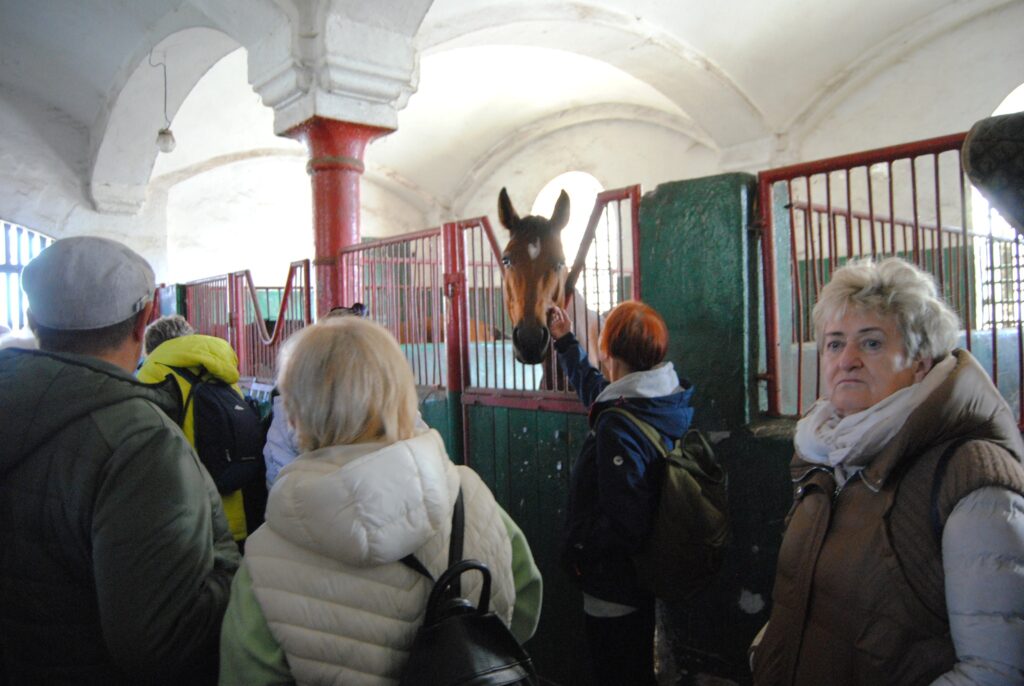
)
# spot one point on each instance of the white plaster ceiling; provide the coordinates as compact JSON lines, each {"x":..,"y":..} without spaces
{"x":494,"y":75}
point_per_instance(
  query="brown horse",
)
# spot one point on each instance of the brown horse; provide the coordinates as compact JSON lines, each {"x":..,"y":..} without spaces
{"x":535,"y":280}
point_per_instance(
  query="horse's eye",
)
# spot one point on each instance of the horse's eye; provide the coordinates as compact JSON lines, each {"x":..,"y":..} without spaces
{"x":558,"y":266}
{"x":506,"y":260}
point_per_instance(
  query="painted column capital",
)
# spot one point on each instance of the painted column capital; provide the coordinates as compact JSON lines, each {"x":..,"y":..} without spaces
{"x":345,"y":70}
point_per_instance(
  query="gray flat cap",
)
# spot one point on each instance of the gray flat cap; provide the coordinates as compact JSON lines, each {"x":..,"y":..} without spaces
{"x":86,"y":282}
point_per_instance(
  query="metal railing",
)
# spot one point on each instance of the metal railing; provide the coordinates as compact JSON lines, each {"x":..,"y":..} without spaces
{"x":20,"y":246}
{"x":912,"y":201}
{"x":400,"y":282}
{"x":229,"y":306}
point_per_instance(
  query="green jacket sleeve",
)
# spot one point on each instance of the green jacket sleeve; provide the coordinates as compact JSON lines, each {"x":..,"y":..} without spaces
{"x":528,"y":583}
{"x":161,"y":562}
{"x":249,"y":654}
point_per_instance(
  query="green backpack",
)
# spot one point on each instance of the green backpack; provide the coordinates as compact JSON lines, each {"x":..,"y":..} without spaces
{"x":691,"y":526}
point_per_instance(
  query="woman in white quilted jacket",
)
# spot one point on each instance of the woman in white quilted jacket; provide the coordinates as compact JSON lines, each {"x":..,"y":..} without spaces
{"x":322,"y":597}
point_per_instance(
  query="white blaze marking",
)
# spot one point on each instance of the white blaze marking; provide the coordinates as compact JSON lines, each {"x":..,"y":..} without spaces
{"x":533,"y":249}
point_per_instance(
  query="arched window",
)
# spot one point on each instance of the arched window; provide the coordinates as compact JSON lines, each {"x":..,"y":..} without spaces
{"x":582,"y":189}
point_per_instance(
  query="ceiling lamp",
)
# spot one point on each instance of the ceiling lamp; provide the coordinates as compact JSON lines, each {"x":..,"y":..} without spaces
{"x":164,"y":138}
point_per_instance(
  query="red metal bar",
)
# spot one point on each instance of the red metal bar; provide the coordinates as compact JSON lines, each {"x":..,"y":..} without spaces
{"x":524,"y":400}
{"x":634,"y":217}
{"x":938,"y":222}
{"x":860,"y":159}
{"x":454,"y":283}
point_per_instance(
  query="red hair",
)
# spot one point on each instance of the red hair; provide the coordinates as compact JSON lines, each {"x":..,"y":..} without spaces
{"x":636,"y":334}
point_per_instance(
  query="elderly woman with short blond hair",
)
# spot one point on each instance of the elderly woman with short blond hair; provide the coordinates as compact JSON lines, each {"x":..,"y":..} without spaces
{"x":903,"y":557}
{"x":323,"y":596}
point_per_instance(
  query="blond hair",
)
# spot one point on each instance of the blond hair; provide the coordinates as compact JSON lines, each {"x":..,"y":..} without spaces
{"x":345,"y":380}
{"x":892,"y":287}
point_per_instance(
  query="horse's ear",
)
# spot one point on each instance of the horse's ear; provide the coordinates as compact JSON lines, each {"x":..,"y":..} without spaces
{"x":560,"y":217}
{"x":506,"y":213}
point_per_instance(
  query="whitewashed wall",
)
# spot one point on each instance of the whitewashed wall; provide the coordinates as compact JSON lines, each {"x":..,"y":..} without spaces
{"x":234,"y":195}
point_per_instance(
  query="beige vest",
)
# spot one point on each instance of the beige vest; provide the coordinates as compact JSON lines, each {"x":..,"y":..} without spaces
{"x":858,"y":597}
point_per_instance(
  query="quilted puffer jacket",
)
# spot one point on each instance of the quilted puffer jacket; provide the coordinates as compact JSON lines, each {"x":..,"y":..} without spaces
{"x":325,"y":567}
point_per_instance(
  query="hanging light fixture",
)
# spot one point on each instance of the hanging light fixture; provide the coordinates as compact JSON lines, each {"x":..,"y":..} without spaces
{"x":164,"y":138}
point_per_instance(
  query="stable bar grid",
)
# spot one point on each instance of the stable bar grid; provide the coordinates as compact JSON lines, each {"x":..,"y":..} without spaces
{"x":20,"y":245}
{"x":605,"y":272}
{"x":912,"y":201}
{"x":399,"y":280}
{"x":229,"y":306}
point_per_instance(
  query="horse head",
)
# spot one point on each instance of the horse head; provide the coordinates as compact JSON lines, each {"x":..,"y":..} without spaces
{"x":535,"y":274}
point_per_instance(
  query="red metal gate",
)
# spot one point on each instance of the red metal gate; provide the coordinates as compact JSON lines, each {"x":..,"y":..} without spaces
{"x":229,"y":306}
{"x":912,"y":201}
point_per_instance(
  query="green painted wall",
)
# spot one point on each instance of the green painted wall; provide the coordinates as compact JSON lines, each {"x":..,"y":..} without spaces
{"x":701,"y":270}
{"x":694,"y":267}
{"x":525,"y":457}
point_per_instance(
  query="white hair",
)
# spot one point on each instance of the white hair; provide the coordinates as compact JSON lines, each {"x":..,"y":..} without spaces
{"x":892,"y":287}
{"x":345,"y":380}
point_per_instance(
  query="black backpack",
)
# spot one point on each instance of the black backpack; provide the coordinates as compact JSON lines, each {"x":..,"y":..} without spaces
{"x":458,"y":644}
{"x":227,"y":431}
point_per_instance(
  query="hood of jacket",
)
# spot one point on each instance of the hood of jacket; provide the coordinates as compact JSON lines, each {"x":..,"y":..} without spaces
{"x":965,"y":405}
{"x":214,"y":354}
{"x":41,"y":393}
{"x":365,"y":504}
{"x":656,"y":396}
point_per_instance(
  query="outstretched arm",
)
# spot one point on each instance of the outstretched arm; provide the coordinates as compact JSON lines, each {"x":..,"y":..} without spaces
{"x":588,"y":381}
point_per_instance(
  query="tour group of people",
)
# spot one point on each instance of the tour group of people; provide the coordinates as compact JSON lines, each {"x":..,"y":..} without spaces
{"x":122,"y":561}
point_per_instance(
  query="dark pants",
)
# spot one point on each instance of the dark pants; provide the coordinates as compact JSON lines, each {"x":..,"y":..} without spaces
{"x":622,"y":648}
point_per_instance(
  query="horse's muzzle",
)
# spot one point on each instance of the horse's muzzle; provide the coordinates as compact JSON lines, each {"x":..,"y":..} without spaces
{"x":531,"y":343}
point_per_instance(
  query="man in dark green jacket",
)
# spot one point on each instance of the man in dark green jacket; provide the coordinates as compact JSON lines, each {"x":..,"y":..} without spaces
{"x":115,"y":558}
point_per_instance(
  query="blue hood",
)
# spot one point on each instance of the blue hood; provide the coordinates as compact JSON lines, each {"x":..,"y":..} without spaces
{"x":670,"y":414}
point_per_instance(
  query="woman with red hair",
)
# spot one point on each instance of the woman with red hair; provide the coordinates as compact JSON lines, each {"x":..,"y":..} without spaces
{"x":615,"y":482}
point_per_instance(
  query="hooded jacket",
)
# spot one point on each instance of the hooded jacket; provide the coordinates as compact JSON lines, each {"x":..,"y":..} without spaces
{"x":858,"y":562}
{"x":214,"y":357}
{"x":616,"y":479}
{"x":325,"y":567}
{"x":115,"y":559}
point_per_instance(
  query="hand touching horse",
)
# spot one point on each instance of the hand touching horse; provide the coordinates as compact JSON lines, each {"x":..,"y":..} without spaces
{"x":535,"y":280}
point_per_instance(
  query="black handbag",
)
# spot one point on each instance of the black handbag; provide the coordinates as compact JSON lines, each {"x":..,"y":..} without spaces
{"x":459,"y":644}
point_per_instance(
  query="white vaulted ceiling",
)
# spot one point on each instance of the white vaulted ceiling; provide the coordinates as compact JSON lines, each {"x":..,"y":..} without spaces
{"x":669,"y":88}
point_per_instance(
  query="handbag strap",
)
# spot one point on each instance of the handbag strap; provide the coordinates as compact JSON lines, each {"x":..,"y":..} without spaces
{"x":454,"y":546}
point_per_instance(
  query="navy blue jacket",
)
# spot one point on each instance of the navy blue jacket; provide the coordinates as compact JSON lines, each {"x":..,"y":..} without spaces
{"x":615,"y":481}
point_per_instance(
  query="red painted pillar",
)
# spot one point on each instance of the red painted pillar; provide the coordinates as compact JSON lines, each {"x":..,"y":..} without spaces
{"x":335,"y":164}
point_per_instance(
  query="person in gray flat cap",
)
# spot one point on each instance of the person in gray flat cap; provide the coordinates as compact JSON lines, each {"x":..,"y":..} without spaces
{"x":116,"y":559}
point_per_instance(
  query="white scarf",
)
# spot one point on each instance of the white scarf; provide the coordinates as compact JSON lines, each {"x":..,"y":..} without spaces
{"x":848,"y":444}
{"x":656,"y":382}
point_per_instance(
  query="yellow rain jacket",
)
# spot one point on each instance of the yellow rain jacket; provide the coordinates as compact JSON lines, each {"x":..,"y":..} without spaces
{"x":216,"y":356}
